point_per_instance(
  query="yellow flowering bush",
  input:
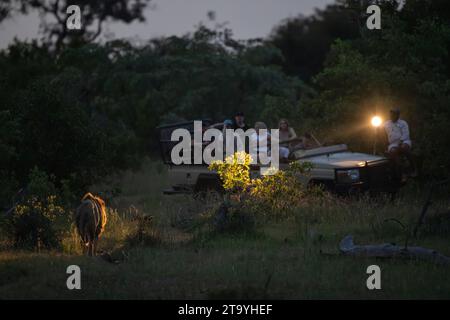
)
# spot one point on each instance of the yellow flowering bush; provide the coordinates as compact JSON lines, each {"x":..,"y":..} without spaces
{"x":33,"y":219}
{"x":234,"y":172}
{"x":273,"y":193}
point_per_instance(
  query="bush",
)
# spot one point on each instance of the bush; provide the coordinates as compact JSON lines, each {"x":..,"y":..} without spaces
{"x":233,"y":219}
{"x":270,"y":196}
{"x":276,"y":194}
{"x":234,"y":172}
{"x":32,"y":223}
{"x":145,"y":234}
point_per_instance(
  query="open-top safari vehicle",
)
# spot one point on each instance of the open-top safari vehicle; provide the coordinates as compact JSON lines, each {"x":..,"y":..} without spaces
{"x":335,"y":167}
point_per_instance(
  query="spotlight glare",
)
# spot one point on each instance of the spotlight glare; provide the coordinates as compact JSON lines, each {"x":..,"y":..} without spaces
{"x":376,"y":121}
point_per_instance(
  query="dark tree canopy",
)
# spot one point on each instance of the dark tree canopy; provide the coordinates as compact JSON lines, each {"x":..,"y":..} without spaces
{"x":94,"y":14}
{"x":305,"y":41}
{"x":415,"y":10}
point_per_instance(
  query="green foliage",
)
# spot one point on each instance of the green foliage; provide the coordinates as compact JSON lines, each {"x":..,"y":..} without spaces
{"x":145,"y":232}
{"x":47,"y":122}
{"x":93,"y":109}
{"x":305,"y":40}
{"x":234,"y":219}
{"x":273,"y":195}
{"x":277,"y":194}
{"x":234,"y":172}
{"x":406,"y":66}
{"x":33,"y":219}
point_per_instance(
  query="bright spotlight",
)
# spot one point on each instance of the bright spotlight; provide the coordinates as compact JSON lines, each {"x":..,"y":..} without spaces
{"x":376,"y":121}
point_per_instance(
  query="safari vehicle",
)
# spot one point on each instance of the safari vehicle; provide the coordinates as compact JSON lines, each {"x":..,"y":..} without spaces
{"x":334,"y":167}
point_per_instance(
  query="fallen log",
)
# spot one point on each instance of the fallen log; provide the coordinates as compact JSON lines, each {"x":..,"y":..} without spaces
{"x":389,"y":250}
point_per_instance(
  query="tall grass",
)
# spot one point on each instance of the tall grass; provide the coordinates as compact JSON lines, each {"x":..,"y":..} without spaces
{"x":177,"y":255}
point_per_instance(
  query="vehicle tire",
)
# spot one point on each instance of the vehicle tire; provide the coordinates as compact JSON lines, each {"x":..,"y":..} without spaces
{"x":206,"y":187}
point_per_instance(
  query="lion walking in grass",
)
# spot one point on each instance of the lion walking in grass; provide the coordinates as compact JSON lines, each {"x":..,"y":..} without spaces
{"x":90,"y":220}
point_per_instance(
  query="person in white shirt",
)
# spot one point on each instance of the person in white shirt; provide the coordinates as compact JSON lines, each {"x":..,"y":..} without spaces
{"x":288,"y":139}
{"x":261,"y":141}
{"x":400,"y":144}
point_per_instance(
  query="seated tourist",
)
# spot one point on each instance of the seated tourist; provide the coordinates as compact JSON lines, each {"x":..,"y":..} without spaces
{"x":239,"y":121}
{"x":259,"y":141}
{"x":288,"y":138}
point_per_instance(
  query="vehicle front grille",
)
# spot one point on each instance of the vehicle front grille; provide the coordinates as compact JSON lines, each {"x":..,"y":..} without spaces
{"x":379,"y":175}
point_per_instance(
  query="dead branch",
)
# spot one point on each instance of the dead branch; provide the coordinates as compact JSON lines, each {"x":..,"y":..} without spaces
{"x":389,"y":250}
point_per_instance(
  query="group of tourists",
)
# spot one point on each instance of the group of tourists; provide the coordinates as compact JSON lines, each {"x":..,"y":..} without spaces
{"x":396,"y":129}
{"x":288,"y":139}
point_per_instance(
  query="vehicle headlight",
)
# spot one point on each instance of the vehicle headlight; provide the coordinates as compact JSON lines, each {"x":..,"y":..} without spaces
{"x":347,"y":176}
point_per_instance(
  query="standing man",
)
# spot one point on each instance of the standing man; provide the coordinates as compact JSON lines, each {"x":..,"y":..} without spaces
{"x":397,"y":132}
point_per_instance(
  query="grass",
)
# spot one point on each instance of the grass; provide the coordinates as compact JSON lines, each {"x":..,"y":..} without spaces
{"x":295,"y":258}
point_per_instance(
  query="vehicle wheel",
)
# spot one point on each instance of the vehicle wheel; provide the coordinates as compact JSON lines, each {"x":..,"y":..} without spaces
{"x":208,"y":188}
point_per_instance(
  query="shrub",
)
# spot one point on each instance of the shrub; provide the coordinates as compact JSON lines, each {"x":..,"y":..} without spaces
{"x":233,"y":219}
{"x":33,"y":220}
{"x":145,"y":233}
{"x":276,"y":194}
{"x":234,"y":172}
{"x":272,"y":195}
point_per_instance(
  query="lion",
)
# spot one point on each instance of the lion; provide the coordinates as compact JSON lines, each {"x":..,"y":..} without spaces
{"x":90,"y":220}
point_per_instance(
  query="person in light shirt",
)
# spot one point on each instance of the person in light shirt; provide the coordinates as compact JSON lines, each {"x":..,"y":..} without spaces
{"x":261,"y":141}
{"x":287,"y":138}
{"x":400,"y":143}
